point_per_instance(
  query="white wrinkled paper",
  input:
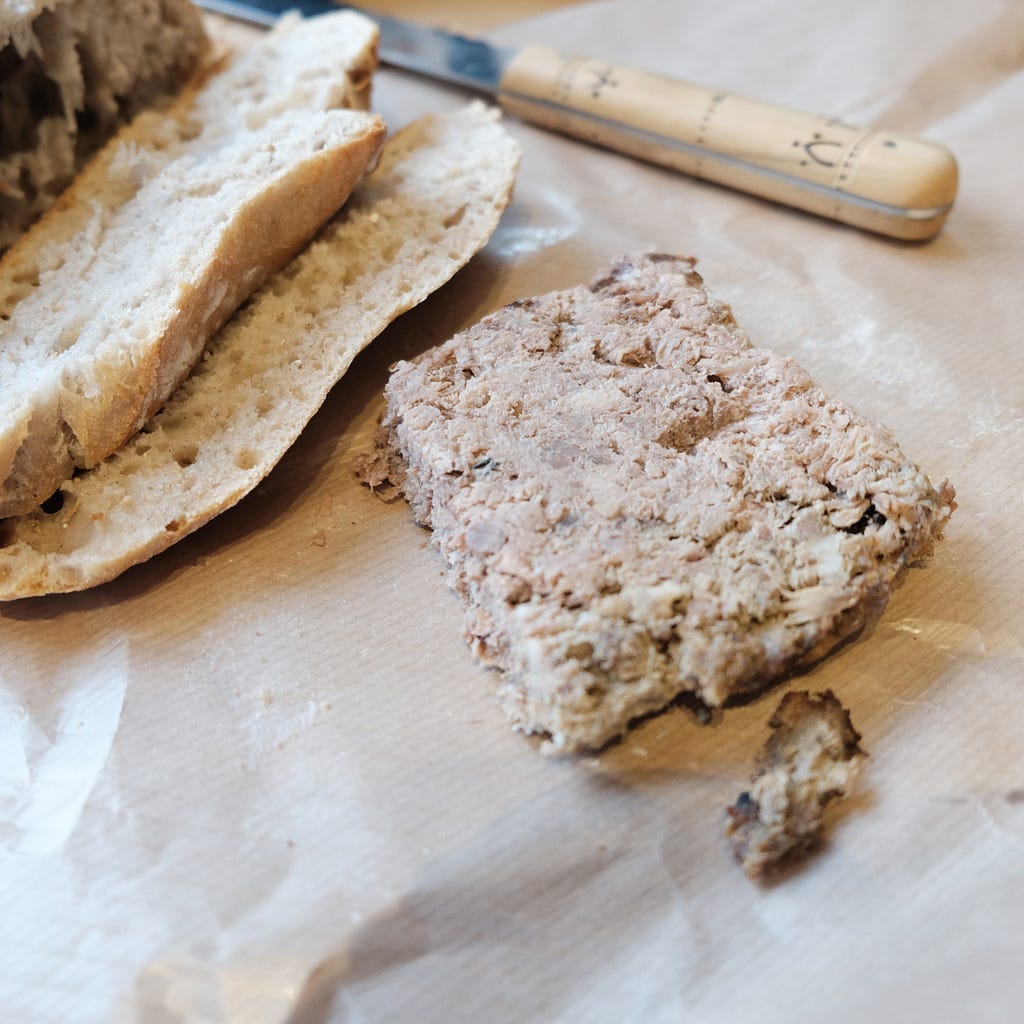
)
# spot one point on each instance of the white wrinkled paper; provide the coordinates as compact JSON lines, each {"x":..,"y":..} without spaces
{"x":260,"y":779}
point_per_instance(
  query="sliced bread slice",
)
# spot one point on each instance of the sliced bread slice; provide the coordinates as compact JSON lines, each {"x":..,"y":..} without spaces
{"x":107,"y":303}
{"x":72,"y":73}
{"x":433,"y":202}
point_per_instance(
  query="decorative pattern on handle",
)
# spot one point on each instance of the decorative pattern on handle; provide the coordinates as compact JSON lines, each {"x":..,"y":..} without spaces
{"x":884,"y":182}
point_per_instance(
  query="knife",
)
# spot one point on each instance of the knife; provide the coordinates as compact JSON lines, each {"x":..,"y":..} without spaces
{"x":885,"y":182}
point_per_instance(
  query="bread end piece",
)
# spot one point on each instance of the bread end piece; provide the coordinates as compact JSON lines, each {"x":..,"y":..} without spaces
{"x":102,"y":317}
{"x":76,"y":71}
{"x":811,"y":758}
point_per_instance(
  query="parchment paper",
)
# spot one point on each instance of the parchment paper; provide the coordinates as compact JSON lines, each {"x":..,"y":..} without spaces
{"x":261,"y":779}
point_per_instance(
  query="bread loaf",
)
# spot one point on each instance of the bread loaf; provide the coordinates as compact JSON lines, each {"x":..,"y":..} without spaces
{"x":634,"y":503}
{"x":109,"y":300}
{"x":71,"y":73}
{"x":432,"y":203}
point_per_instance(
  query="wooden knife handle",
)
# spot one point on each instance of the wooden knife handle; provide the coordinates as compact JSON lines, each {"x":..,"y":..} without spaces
{"x":881,"y":181}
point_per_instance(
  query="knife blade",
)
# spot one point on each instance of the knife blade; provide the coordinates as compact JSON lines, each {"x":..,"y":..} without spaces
{"x":885,"y":182}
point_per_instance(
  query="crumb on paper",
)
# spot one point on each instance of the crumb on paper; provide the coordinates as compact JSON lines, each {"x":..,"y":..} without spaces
{"x":381,"y":473}
{"x":811,"y":758}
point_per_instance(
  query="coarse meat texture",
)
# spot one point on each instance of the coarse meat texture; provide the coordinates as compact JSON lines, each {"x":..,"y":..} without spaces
{"x":811,"y":758}
{"x":633,"y":502}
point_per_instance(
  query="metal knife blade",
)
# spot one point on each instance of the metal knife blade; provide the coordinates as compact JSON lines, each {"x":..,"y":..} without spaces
{"x":446,"y":56}
{"x":881,"y":181}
